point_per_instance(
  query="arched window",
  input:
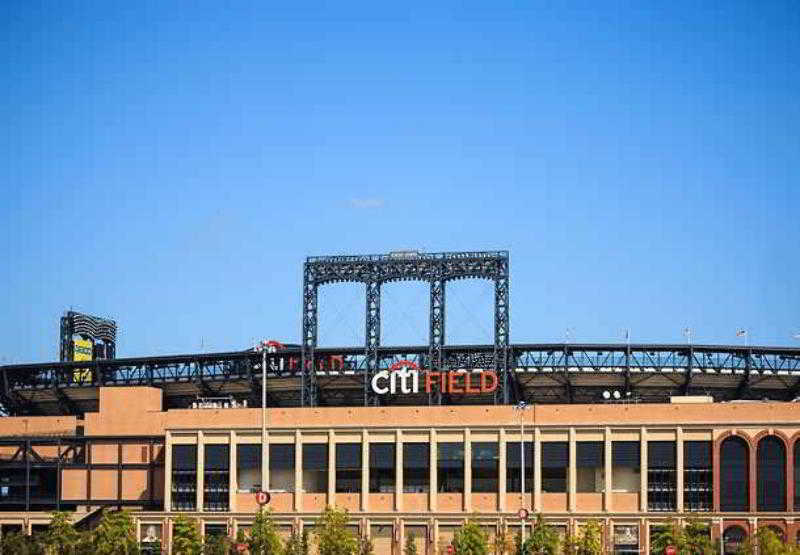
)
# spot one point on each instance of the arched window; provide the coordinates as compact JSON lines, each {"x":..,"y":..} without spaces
{"x":733,"y":538}
{"x":778,"y":532}
{"x":734,"y":471}
{"x":771,"y":476}
{"x":797,"y":478}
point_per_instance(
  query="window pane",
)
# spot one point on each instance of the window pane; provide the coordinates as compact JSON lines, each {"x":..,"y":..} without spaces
{"x":590,"y":462}
{"x":697,"y":476}
{"x":184,"y":477}
{"x":416,"y":467}
{"x":555,"y":458}
{"x":661,"y":476}
{"x":216,"y":477}
{"x":771,"y":474}
{"x":248,"y":467}
{"x":381,"y":467}
{"x":734,"y":475}
{"x":513,"y":469}
{"x":348,"y":467}
{"x":315,"y":467}
{"x":450,"y":471}
{"x":281,"y":467}
{"x":485,"y":467}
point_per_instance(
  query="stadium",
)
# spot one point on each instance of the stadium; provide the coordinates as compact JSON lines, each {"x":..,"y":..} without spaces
{"x":410,"y":440}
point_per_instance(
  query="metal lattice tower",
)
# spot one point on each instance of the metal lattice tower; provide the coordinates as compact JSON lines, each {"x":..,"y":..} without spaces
{"x":373,"y":271}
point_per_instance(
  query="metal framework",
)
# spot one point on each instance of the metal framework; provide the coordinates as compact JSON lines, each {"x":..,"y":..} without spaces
{"x":543,"y":373}
{"x":373,"y":271}
{"x":98,"y":329}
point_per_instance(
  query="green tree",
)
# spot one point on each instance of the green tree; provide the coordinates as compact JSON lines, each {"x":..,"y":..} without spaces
{"x":264,"y":539}
{"x":115,"y":534}
{"x":293,"y":545}
{"x":333,"y":537}
{"x":19,"y":544}
{"x":186,"y":537}
{"x":411,"y":547}
{"x":767,"y":542}
{"x":589,"y":540}
{"x":471,"y":539}
{"x":543,"y":539}
{"x":366,"y":547}
{"x":216,"y":544}
{"x":61,"y":536}
{"x":692,"y":539}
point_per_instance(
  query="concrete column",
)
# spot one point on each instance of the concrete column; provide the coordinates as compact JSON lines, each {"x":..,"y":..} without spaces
{"x":467,"y":471}
{"x":679,"y":463}
{"x":398,"y":470}
{"x":433,"y":461}
{"x":364,"y":471}
{"x":331,"y":468}
{"x":537,"y":469}
{"x":572,"y":478}
{"x":168,"y":471}
{"x":201,"y":458}
{"x":609,"y":487}
{"x":298,"y":471}
{"x":232,"y":472}
{"x":643,"y":470}
{"x":501,"y":475}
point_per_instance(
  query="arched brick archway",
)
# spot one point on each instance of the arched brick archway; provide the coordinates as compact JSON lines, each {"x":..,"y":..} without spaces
{"x":758,"y":451}
{"x":731,"y":470}
{"x":732,"y":537}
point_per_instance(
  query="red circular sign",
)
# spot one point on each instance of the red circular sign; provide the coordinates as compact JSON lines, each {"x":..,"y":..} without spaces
{"x":522,"y":513}
{"x":670,"y":550}
{"x":262,"y":497}
{"x":241,"y":547}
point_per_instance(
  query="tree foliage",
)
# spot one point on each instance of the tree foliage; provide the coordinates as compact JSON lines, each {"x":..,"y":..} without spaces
{"x":692,"y":539}
{"x":588,"y":541}
{"x":543,"y":539}
{"x":767,"y":542}
{"x":410,"y":547}
{"x":471,"y":539}
{"x":502,"y":543}
{"x":332,"y":535}
{"x":264,"y":538}
{"x":115,"y":534}
{"x":186,"y":537}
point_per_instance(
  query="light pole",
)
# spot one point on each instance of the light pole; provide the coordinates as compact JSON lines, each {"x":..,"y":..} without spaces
{"x":263,"y":348}
{"x":746,"y":334}
{"x":688,"y":333}
{"x":522,"y":407}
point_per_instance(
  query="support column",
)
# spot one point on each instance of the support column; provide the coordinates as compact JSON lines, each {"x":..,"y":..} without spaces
{"x":201,"y":463}
{"x":232,"y":472}
{"x":331,"y":468}
{"x":467,"y":471}
{"x":168,"y":471}
{"x":432,"y":470}
{"x":537,"y":468}
{"x":643,"y":470}
{"x":364,"y":471}
{"x":436,"y":329}
{"x":572,"y":469}
{"x":265,"y":462}
{"x":753,"y":493}
{"x":608,"y":472}
{"x":679,"y":463}
{"x":373,"y":339}
{"x":398,"y":471}
{"x":502,"y":471}
{"x":298,"y":471}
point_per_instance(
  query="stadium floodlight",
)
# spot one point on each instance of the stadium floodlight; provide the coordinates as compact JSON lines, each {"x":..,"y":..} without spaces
{"x":743,"y":332}
{"x":687,"y":332}
{"x":606,"y":395}
{"x":617,"y":394}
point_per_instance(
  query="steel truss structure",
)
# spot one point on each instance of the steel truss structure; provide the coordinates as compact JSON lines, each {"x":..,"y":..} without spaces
{"x":98,"y":329}
{"x":375,"y":270}
{"x":540,"y":373}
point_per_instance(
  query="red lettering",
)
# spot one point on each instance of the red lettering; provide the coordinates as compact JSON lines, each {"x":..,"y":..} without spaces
{"x":469,"y":388}
{"x":429,"y":380}
{"x":452,"y":383}
{"x":488,"y":376}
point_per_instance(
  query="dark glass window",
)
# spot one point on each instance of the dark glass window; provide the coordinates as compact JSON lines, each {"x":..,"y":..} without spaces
{"x":771,"y":474}
{"x":416,"y":467}
{"x":216,"y":475}
{"x":734,"y":471}
{"x":281,"y":467}
{"x":315,"y":467}
{"x":590,"y":461}
{"x":381,"y":467}
{"x":733,"y":537}
{"x":184,"y":477}
{"x":348,"y":467}
{"x":485,"y":467}
{"x":513,"y":469}
{"x":248,"y":467}
{"x":662,"y":477}
{"x":555,"y":460}
{"x":450,"y":467}
{"x":697,"y":476}
{"x":797,"y":478}
{"x":625,"y":466}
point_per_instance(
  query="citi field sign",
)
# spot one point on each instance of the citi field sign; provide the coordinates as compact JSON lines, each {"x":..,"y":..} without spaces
{"x":404,"y":377}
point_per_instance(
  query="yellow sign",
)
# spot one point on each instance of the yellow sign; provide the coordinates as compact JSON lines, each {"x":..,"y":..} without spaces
{"x":82,"y":350}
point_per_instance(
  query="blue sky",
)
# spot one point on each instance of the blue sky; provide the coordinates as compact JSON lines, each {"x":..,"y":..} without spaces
{"x":171,"y":164}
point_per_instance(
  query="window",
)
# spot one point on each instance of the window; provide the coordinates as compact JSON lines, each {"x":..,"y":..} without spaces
{"x":555,"y":459}
{"x":697,"y":476}
{"x":513,"y":469}
{"x":315,"y":467}
{"x":662,"y":477}
{"x":184,"y":477}
{"x":733,"y":537}
{"x":281,"y":467}
{"x":771,"y":474}
{"x":381,"y":467}
{"x":797,"y":478}
{"x":734,"y":471}
{"x":416,"y":467}
{"x":348,"y":467}
{"x":450,"y":467}
{"x":625,"y":466}
{"x":590,"y":462}
{"x":485,"y":467}
{"x":248,"y":467}
{"x":216,"y":475}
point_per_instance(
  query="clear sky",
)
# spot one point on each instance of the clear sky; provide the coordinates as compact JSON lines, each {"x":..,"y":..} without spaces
{"x":171,"y":164}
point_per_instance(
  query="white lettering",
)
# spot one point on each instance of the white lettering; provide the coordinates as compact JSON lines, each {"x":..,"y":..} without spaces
{"x":382,"y":375}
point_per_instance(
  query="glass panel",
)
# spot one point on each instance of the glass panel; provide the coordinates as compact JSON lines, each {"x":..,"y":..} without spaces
{"x":348,"y":467}
{"x":216,"y":475}
{"x":184,"y":477}
{"x":662,"y":476}
{"x":625,"y":466}
{"x":485,"y":467}
{"x":555,"y":458}
{"x":381,"y":467}
{"x":315,"y":467}
{"x":416,"y":467}
{"x":248,"y":467}
{"x":281,"y":467}
{"x":697,"y":476}
{"x":734,"y":475}
{"x":771,"y":474}
{"x":450,"y":471}
{"x":513,"y":461}
{"x":590,"y":461}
